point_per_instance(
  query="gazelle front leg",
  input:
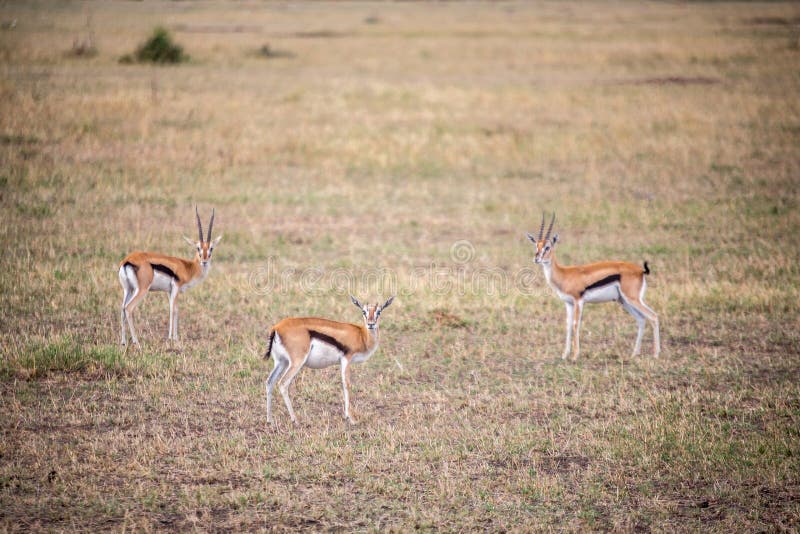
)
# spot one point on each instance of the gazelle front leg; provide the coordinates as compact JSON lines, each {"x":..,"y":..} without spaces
{"x":173,"y":294}
{"x":577,"y":326}
{"x":173,"y":312}
{"x":570,"y":313}
{"x":346,"y":389}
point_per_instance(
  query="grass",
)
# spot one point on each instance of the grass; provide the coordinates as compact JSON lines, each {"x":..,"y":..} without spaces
{"x":61,"y":356}
{"x":403,"y":148}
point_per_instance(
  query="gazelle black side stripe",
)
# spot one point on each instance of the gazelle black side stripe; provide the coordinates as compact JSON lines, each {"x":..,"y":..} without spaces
{"x":329,"y":340}
{"x":165,"y":270}
{"x":600,"y":283}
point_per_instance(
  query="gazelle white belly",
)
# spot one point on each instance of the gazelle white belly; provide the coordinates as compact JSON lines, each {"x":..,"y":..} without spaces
{"x":322,"y":355}
{"x":161,"y":282}
{"x":605,"y":293}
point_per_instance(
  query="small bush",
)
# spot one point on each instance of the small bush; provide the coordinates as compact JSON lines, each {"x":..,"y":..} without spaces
{"x":267,"y":51}
{"x":159,"y":48}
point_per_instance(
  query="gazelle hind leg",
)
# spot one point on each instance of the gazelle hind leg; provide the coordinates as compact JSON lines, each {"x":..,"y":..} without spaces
{"x":134,"y":294}
{"x":123,"y":334}
{"x":128,"y":310}
{"x":141,"y":281}
{"x":653,"y":317}
{"x":278,"y":370}
{"x":286,"y":381}
{"x":643,"y":310}
{"x":127,"y":291}
{"x":640,"y":321}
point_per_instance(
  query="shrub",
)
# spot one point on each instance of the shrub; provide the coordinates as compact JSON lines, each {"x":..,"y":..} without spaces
{"x":267,"y":51}
{"x":159,"y":48}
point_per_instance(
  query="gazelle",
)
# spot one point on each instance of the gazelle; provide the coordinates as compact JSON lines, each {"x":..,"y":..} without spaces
{"x":141,"y":272}
{"x":299,"y":342}
{"x":604,"y":281}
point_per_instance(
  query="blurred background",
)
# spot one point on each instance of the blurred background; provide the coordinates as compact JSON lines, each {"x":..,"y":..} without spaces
{"x":401,"y":147}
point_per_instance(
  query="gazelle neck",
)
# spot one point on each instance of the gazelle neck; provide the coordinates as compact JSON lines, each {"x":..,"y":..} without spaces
{"x":199,"y":273}
{"x":552,"y":271}
{"x":372,"y":337}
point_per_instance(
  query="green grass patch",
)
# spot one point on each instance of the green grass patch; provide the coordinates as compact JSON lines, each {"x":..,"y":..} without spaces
{"x":63,"y":355}
{"x":68,"y":354}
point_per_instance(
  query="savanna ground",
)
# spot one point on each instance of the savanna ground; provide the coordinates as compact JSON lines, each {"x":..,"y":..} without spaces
{"x":376,"y":148}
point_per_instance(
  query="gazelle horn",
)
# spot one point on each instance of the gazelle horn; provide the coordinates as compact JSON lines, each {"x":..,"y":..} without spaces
{"x":210,"y":225}
{"x":541,"y":229}
{"x":199,"y":224}
{"x":550,"y":228}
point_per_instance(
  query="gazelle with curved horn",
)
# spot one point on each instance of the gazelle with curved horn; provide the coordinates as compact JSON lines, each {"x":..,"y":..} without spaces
{"x":141,"y":272}
{"x":606,"y":281}
{"x":299,"y":342}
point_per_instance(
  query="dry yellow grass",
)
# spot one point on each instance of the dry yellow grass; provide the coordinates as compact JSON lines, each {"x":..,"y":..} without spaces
{"x":402,"y":148}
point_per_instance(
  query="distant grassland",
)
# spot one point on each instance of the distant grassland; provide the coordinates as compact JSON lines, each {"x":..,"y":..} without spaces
{"x":378,"y":148}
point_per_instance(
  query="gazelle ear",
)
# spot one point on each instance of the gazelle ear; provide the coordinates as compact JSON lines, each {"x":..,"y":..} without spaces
{"x":533,"y":239}
{"x":555,"y":239}
{"x":192,"y":244}
{"x":355,"y":301}
{"x":386,"y":304}
{"x":217,"y":240}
